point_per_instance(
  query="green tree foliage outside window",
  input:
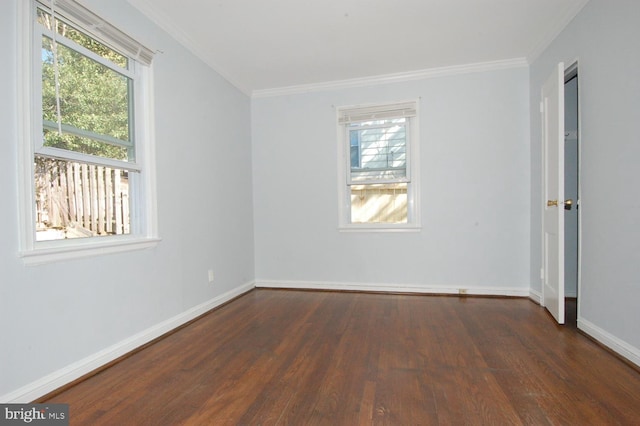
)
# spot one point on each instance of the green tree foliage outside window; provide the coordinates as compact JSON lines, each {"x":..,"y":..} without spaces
{"x":92,"y":96}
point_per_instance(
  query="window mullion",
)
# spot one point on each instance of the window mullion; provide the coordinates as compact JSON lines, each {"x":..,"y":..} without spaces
{"x":129,"y":74}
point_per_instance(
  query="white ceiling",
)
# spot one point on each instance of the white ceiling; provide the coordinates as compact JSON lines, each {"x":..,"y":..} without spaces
{"x":267,"y":44}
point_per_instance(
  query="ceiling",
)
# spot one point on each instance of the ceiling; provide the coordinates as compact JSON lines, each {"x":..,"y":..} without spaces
{"x":267,"y":44}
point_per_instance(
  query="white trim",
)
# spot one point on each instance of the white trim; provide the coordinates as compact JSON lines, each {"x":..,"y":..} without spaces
{"x":395,"y":288}
{"x":391,"y":78}
{"x":555,"y":28}
{"x":146,"y":128}
{"x":536,"y":296}
{"x":617,"y":345}
{"x":79,"y":248}
{"x":25,"y":98}
{"x":380,"y":227}
{"x":200,"y":51}
{"x":542,"y":198}
{"x":196,"y":48}
{"x":86,"y":365}
{"x":575,"y":67}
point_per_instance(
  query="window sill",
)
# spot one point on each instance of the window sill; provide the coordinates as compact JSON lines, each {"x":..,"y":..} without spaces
{"x":380,"y":228}
{"x":69,"y":250}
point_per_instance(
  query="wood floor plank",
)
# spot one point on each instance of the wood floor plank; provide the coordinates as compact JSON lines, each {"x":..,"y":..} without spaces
{"x":276,"y":357}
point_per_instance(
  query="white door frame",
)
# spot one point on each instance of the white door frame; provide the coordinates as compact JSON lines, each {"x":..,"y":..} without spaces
{"x":570,"y":72}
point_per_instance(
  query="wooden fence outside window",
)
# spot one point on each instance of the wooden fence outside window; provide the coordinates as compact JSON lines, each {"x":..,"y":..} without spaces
{"x":75,"y":200}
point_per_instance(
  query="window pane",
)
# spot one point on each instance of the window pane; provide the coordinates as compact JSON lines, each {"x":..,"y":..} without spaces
{"x":355,"y":149}
{"x":382,"y":152}
{"x":93,"y":98}
{"x":76,"y":200}
{"x":379,"y":203}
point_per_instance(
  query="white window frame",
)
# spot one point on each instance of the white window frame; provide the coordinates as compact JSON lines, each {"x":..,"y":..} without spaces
{"x":364,"y":112}
{"x":143,"y":214}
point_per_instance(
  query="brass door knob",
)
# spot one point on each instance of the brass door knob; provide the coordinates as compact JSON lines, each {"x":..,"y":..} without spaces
{"x":568,"y":203}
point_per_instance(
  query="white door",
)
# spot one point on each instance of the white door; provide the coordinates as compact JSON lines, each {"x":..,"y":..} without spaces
{"x":553,"y":217}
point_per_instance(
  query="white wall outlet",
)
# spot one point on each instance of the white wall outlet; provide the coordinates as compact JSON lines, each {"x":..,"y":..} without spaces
{"x":210,"y":275}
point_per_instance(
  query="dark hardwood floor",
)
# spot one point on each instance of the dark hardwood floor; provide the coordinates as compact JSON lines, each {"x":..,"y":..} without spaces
{"x":278,"y":357}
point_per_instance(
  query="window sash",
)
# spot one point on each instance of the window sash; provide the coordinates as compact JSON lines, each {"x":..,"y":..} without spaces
{"x":353,"y":116}
{"x":40,"y":125}
{"x":381,"y":147}
{"x":375,"y":175}
{"x":390,"y":201}
{"x":65,"y":211}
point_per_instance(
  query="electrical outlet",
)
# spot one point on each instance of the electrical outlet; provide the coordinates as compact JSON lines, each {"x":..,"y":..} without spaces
{"x":462,"y":291}
{"x":210,"y":275}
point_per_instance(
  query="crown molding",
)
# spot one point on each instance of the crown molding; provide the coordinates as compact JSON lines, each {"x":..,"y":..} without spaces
{"x":553,"y":31}
{"x":392,"y":78}
{"x":200,"y":51}
{"x":165,"y":23}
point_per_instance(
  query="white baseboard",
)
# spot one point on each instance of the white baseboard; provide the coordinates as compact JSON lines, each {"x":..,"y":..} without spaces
{"x":49,"y":383}
{"x":622,"y":348}
{"x":536,"y":296}
{"x":68,"y":374}
{"x":395,"y":288}
{"x":612,"y":342}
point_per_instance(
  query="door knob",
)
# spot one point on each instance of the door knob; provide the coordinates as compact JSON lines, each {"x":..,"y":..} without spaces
{"x":568,"y":203}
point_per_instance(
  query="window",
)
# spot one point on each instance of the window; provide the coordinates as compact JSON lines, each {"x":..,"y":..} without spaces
{"x":86,"y":157}
{"x":378,"y":174}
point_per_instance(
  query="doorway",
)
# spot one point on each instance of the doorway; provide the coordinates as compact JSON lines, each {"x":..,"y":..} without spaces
{"x":571,"y":190}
